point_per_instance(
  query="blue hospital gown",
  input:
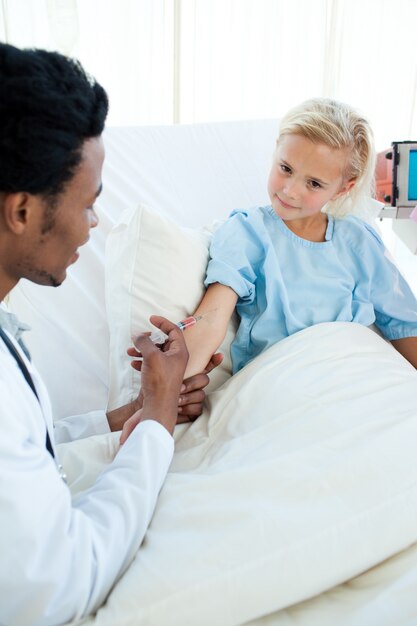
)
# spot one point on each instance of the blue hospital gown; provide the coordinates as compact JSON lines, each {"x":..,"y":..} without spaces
{"x":285,"y":283}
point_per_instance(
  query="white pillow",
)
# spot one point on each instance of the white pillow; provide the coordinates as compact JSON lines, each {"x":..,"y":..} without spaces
{"x":153,"y":266}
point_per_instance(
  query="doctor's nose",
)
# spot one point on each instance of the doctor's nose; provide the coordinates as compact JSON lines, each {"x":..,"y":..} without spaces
{"x":93,"y":218}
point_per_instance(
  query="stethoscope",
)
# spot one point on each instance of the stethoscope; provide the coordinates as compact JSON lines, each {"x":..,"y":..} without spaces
{"x":22,"y":366}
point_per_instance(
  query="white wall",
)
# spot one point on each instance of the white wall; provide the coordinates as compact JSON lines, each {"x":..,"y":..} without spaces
{"x":208,"y":60}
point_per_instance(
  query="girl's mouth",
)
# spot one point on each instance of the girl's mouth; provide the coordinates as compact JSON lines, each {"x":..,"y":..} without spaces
{"x":285,"y":205}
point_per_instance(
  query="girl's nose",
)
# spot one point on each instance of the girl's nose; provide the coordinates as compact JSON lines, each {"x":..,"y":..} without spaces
{"x":290,"y":189}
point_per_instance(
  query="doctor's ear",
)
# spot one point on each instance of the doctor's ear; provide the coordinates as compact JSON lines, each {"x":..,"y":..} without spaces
{"x":15,"y":209}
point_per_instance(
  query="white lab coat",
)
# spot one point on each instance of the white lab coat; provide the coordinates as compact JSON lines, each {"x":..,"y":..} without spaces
{"x":59,"y":559}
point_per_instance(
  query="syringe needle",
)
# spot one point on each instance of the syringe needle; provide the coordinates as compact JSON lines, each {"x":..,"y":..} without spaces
{"x":159,"y":337}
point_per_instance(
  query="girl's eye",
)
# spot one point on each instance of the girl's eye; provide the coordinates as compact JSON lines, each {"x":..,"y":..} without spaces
{"x":285,"y":168}
{"x":314,"y":184}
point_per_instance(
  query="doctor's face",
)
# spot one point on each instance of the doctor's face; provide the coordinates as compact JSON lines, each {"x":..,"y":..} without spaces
{"x":59,"y":228}
{"x":304,"y":176}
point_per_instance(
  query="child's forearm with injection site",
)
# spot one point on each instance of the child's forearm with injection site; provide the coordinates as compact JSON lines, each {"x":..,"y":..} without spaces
{"x":205,"y":337}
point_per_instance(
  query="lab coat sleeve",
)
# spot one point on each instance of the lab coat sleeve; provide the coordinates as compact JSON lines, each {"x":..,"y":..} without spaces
{"x":81,"y":426}
{"x":59,"y":558}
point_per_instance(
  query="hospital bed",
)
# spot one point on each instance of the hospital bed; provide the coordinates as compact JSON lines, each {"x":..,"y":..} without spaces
{"x":293,"y":499}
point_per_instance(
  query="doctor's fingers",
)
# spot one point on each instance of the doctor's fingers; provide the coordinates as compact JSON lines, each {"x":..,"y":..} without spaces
{"x":198,"y":381}
{"x":192,"y":398}
{"x":189,"y":413}
{"x":215,"y":361}
{"x":136,"y":364}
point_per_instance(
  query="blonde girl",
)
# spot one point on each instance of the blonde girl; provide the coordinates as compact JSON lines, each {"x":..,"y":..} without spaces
{"x":305,"y":258}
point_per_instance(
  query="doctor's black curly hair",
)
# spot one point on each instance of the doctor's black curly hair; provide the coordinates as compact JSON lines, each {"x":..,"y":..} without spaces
{"x":49,"y":107}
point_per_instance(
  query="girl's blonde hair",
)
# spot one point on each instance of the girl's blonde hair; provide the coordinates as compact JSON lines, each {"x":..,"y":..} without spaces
{"x":338,"y":125}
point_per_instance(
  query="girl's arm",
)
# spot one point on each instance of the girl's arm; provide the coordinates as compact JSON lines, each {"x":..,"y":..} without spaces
{"x":204,"y":338}
{"x":408,"y":348}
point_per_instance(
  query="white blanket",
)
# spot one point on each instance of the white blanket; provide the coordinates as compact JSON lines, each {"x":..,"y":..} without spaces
{"x":300,"y":474}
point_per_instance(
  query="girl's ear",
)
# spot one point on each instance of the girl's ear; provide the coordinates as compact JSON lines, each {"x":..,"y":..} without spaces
{"x":346,"y":187}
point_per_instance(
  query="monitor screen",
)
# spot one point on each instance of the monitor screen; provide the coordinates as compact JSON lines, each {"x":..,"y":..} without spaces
{"x":412,"y":176}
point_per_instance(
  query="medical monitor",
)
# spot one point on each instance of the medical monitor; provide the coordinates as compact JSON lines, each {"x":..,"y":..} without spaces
{"x":412,"y":175}
{"x":396,"y":177}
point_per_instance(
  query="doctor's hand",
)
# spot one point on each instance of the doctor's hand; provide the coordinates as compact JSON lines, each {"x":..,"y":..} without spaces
{"x":162,"y":370}
{"x":190,"y":402}
{"x":162,"y":374}
{"x":192,"y":396}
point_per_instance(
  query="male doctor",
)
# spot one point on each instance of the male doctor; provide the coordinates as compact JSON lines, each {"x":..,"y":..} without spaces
{"x":58,"y":559}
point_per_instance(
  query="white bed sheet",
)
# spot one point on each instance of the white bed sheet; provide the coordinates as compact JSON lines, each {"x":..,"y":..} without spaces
{"x":300,"y":475}
{"x":383,"y":596}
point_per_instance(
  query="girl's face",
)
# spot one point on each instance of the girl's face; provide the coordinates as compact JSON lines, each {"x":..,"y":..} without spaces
{"x":304,"y":176}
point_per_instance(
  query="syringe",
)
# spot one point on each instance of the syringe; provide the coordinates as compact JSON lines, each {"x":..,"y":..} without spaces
{"x":159,"y":337}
